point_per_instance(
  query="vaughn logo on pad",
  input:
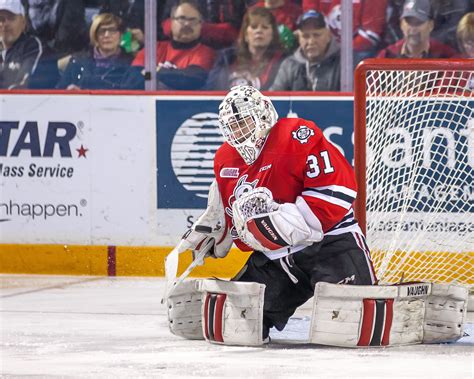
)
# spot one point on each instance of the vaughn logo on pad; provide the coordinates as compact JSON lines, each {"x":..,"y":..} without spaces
{"x":421,"y":289}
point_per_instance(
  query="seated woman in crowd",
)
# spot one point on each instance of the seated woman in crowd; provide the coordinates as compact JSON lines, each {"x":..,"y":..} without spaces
{"x":465,"y":36}
{"x":465,"y":39}
{"x":256,"y":58}
{"x":105,"y":64}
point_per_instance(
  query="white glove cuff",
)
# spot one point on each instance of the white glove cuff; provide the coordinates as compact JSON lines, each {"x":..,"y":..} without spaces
{"x":313,"y":222}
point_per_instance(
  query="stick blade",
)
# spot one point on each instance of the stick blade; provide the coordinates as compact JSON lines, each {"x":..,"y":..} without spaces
{"x":171,"y":271}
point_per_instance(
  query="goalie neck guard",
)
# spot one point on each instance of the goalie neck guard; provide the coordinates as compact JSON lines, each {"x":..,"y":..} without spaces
{"x":245,"y":119}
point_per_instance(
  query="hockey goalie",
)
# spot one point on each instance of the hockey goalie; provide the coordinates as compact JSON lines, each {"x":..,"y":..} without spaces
{"x":283,"y":191}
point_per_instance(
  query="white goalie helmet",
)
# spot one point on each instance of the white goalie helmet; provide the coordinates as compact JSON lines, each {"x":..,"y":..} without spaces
{"x":245,"y":119}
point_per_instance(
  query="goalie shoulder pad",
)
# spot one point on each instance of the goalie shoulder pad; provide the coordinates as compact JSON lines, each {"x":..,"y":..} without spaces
{"x":356,"y":316}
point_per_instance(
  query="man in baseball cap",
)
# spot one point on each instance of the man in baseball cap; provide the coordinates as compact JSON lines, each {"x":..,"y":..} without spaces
{"x":315,"y":65}
{"x":21,"y":54}
{"x":12,"y":21}
{"x":419,"y":9}
{"x":416,"y":23}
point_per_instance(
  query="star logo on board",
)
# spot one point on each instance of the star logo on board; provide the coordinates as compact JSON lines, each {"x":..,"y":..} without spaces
{"x":81,"y":152}
{"x":303,"y":134}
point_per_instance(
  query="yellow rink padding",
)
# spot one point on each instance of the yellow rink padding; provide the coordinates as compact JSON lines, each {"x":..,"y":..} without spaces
{"x":106,"y":260}
{"x":139,"y":261}
{"x":435,"y":266}
{"x":53,"y":259}
{"x":149,"y":261}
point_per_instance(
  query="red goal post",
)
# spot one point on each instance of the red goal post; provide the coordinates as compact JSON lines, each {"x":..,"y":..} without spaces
{"x":414,"y":162}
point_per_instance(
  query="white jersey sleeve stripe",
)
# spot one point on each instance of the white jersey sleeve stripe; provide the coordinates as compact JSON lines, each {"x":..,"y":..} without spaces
{"x":335,"y":188}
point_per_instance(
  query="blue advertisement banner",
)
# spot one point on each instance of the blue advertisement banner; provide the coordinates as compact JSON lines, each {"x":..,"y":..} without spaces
{"x":428,"y":164}
{"x":188,"y":137}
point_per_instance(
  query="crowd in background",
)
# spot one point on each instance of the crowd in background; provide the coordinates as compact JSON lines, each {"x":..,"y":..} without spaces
{"x":286,"y":45}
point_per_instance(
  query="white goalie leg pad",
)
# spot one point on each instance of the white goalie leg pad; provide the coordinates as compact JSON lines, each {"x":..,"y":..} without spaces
{"x":357,"y":316}
{"x":445,"y":313}
{"x":232,"y":312}
{"x":184,"y":311}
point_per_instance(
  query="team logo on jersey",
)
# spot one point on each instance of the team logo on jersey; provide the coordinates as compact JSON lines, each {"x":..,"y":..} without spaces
{"x":240,"y":189}
{"x":303,"y":134}
{"x":229,"y":172}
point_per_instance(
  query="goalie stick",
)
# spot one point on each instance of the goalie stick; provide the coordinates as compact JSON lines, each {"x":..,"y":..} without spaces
{"x":208,"y":234}
{"x":171,"y":267}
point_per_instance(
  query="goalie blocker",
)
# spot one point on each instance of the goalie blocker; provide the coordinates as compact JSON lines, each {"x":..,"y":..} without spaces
{"x":231,"y":313}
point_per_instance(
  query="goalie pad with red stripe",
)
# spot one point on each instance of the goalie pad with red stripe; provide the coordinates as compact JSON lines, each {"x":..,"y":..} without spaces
{"x":232,"y":312}
{"x":358,"y":316}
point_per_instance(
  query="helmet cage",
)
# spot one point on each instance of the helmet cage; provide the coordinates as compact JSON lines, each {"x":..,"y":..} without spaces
{"x":245,"y":119}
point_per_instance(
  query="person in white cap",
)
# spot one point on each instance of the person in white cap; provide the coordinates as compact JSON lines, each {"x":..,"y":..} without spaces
{"x":20,"y":53}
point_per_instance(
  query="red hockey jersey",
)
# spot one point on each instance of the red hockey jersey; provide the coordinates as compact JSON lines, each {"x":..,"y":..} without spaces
{"x":296,"y":160}
{"x":199,"y":55}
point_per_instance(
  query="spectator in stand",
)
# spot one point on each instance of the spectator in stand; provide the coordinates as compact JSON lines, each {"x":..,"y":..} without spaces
{"x":255,"y":59}
{"x":315,"y":65}
{"x":183,"y":63}
{"x":369,"y":22}
{"x":417,"y":24}
{"x":465,"y":36}
{"x":285,"y":12}
{"x":221,"y":20}
{"x":445,"y":14}
{"x":21,"y":54}
{"x":60,"y":24}
{"x":132,"y":13}
{"x":105,"y":64}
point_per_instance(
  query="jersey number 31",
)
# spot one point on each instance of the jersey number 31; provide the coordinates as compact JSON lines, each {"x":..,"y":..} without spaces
{"x":313,"y":166}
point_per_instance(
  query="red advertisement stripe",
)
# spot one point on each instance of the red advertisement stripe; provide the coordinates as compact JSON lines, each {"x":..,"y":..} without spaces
{"x":206,"y":315}
{"x":218,"y":317}
{"x":111,"y":261}
{"x":367,"y":322}
{"x":388,"y":322}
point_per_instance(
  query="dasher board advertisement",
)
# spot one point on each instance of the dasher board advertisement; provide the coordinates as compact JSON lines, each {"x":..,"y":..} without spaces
{"x":77,"y":169}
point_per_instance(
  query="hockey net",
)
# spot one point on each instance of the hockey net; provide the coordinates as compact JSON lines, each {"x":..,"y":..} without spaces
{"x":414,"y":158}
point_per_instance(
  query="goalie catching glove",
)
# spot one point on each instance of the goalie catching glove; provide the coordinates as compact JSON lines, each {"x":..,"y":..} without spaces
{"x":265,"y":225}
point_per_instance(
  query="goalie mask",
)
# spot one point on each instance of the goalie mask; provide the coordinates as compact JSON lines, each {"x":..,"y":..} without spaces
{"x":245,"y":119}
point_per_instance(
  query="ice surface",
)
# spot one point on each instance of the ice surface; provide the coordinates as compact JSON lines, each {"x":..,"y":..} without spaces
{"x":116,"y":327}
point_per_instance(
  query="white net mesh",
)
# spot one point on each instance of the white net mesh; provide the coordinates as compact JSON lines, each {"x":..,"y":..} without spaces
{"x":420,"y":174}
